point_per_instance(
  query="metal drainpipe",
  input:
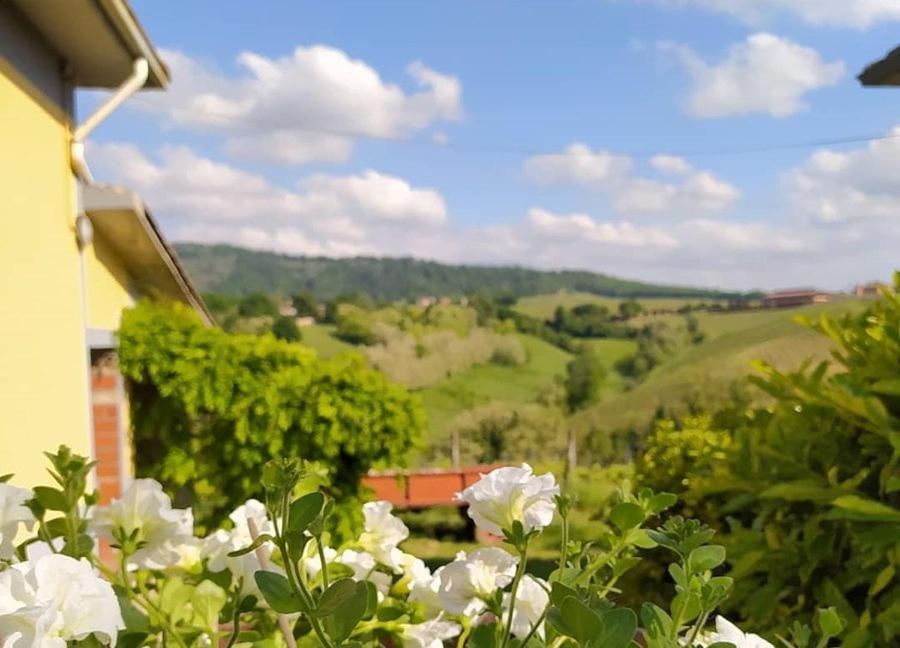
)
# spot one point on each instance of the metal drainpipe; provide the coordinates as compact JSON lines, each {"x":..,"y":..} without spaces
{"x":132,"y":84}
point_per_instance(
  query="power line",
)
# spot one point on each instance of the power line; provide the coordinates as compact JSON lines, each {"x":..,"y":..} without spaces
{"x":231,"y":120}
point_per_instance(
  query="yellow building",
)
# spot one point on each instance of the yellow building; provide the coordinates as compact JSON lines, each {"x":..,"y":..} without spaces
{"x":73,"y":253}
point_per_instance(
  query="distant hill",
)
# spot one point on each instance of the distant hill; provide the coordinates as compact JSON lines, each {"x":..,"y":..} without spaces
{"x":237,"y":271}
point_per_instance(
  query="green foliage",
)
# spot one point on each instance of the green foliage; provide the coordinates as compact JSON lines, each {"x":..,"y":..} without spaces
{"x":238,"y":271}
{"x":257,"y":305}
{"x":285,"y":328}
{"x":809,"y":487}
{"x":305,"y":304}
{"x":508,"y":432}
{"x":657,"y":341}
{"x":590,"y":320}
{"x":209,"y":408}
{"x":585,"y":376}
{"x":630,"y":308}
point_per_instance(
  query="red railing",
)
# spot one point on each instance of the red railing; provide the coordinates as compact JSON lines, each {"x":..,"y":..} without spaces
{"x":424,"y":488}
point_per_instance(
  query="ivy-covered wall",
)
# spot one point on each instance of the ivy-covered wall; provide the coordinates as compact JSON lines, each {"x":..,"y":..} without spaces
{"x":210,"y":408}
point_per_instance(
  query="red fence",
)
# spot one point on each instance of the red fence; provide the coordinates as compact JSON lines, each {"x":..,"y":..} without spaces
{"x":423,"y":489}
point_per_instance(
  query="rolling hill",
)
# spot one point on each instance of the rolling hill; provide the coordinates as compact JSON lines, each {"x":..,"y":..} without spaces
{"x":237,"y":271}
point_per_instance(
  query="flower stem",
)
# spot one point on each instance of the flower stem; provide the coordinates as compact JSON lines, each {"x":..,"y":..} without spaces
{"x":520,"y":572}
{"x":321,"y":550}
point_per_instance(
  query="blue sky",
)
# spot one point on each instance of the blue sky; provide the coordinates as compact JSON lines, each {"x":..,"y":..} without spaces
{"x":614,"y":135}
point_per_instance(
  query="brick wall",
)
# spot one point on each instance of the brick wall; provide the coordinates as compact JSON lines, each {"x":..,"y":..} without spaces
{"x":107,"y":406}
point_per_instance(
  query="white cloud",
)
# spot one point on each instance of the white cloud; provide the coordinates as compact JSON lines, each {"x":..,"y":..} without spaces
{"x":857,"y":185}
{"x":371,"y":213}
{"x":835,"y":13}
{"x":696,"y":191}
{"x":670,"y":164}
{"x":199,"y":199}
{"x":309,"y":106}
{"x":764,"y":73}
{"x":582,"y":226}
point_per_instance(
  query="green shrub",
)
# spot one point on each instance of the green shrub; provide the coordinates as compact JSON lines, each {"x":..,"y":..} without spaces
{"x":810,"y":486}
{"x":209,"y":408}
{"x":285,"y":328}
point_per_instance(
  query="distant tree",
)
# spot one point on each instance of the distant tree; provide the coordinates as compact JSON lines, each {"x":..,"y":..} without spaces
{"x":219,"y":305}
{"x":359,"y":299}
{"x":305,"y":304}
{"x":285,"y":328}
{"x":629,"y":309}
{"x":585,"y":375}
{"x":257,"y":305}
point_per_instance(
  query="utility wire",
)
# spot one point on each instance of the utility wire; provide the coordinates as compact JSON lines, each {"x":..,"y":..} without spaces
{"x":223,"y":119}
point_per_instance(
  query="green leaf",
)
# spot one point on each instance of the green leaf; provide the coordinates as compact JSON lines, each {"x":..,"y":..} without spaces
{"x":277,"y":591}
{"x":174,"y":595}
{"x":881,"y":581}
{"x":332,"y":598}
{"x":260,"y":540}
{"x":304,"y":511}
{"x":705,"y":558}
{"x":483,"y":636}
{"x":830,"y":623}
{"x":348,"y":613}
{"x":583,"y":623}
{"x":656,"y":621}
{"x":559,"y":592}
{"x":888,"y":386}
{"x":861,"y":509}
{"x":51,"y":499}
{"x":661,"y":501}
{"x":619,"y":626}
{"x":626,"y":515}
{"x":208,"y":601}
{"x":296,"y":542}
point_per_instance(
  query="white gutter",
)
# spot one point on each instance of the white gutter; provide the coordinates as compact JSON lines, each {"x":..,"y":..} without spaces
{"x":131,"y":85}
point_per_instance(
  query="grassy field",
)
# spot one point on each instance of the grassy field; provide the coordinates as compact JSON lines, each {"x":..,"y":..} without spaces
{"x":611,"y":351}
{"x":542,"y":306}
{"x":490,"y":382}
{"x":706,"y":372}
{"x":319,"y":337}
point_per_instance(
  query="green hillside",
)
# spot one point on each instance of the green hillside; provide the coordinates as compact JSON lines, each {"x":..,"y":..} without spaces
{"x":705,"y":373}
{"x":236,"y":271}
{"x":542,"y":306}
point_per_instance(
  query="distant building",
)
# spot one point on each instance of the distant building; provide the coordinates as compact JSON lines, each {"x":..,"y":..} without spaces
{"x":305,"y":321}
{"x":426,"y":301}
{"x":794,"y":297}
{"x":868,"y":289}
{"x":286,"y":309}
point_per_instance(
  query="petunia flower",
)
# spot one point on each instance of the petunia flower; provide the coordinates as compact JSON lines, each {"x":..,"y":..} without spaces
{"x":145,"y":508}
{"x":508,"y":495}
{"x":531,"y":602}
{"x":55,"y":599}
{"x":220,"y":543}
{"x":13,"y":513}
{"x":470,"y":579}
{"x":430,"y":634}
{"x":382,"y":533}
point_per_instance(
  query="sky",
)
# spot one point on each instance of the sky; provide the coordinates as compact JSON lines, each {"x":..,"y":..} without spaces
{"x":718,"y":143}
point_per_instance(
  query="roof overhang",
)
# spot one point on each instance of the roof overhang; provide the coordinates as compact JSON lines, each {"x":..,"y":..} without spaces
{"x":122,"y":219}
{"x":100,"y":39}
{"x":885,"y":72}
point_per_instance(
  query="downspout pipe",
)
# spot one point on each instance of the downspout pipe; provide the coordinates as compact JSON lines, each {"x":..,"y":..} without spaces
{"x":132,"y":84}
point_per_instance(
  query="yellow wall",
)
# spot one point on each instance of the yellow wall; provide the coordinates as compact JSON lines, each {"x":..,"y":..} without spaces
{"x":43,"y":360}
{"x":107,"y":285}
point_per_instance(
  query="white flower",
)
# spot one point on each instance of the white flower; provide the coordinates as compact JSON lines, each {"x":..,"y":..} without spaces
{"x":13,"y":512}
{"x":189,"y":551}
{"x":531,"y":601}
{"x":427,"y":593}
{"x":364,"y":566}
{"x":430,"y":634}
{"x":55,"y":599}
{"x":727,"y":631}
{"x":146,"y":508}
{"x":219,"y":544}
{"x":507,"y":495}
{"x":313,"y":563}
{"x":468,"y":580}
{"x":382,"y":533}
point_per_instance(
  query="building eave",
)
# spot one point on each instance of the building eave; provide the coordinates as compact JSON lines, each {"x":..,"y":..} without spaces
{"x":98,"y":39}
{"x":122,"y":219}
{"x":885,"y":72}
